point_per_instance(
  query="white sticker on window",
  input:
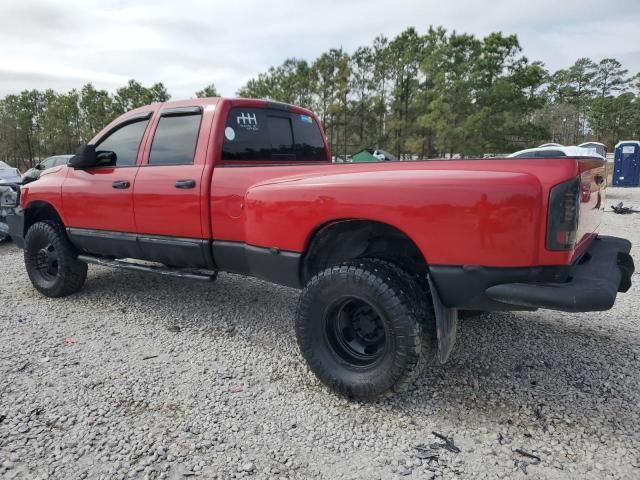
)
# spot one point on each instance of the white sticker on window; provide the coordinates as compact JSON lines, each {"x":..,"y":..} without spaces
{"x":628,"y":149}
{"x":247,"y":120}
{"x":230,"y":134}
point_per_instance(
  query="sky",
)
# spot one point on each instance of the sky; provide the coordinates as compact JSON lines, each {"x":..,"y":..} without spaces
{"x":187,"y":44}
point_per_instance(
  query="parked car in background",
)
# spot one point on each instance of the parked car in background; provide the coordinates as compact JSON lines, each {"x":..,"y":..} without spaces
{"x":553,"y":151}
{"x":8,"y":174}
{"x":34,"y":173}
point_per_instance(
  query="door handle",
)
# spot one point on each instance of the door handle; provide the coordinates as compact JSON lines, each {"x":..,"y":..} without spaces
{"x":120,"y":184}
{"x":185,"y":184}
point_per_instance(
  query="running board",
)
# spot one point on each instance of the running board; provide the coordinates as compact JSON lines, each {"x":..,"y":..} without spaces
{"x":196,"y":274}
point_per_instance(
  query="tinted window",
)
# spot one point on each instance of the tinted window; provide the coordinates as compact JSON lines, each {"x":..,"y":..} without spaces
{"x":309,"y":141}
{"x":61,"y":161}
{"x":281,"y":136}
{"x":269,"y":134}
{"x":124,"y":142}
{"x":174,"y":142}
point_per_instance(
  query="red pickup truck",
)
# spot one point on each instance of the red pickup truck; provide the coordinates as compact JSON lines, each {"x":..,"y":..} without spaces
{"x":386,"y":253}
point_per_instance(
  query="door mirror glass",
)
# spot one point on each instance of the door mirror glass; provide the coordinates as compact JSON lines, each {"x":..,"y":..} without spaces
{"x":85,"y":157}
{"x":106,"y":158}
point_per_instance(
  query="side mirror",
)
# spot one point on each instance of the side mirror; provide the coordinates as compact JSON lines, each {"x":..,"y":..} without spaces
{"x":85,"y":157}
{"x":106,"y":158}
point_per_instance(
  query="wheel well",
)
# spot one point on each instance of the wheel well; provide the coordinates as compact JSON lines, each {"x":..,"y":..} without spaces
{"x":39,"y":211}
{"x":350,"y":239}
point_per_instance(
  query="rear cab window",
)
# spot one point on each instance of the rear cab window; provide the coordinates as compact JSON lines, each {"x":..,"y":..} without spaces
{"x":272,"y":135}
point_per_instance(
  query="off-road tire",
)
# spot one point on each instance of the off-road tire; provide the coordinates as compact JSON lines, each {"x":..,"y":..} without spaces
{"x":54,"y":278}
{"x":400,"y":302}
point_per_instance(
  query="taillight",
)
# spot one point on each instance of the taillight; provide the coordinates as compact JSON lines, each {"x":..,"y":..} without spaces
{"x":564,"y":210}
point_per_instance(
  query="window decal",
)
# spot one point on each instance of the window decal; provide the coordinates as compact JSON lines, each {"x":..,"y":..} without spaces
{"x":247,"y":120}
{"x":229,"y":134}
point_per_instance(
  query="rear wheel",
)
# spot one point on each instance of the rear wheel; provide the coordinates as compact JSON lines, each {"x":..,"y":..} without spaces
{"x":363,"y":329}
{"x":51,"y":261}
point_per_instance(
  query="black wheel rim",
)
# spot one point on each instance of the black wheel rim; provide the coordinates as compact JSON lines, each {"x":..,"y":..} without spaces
{"x":47,"y":262}
{"x":356,"y":332}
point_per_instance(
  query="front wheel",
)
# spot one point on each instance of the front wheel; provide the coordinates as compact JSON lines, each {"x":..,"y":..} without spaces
{"x":51,"y":262}
{"x":360,"y":329}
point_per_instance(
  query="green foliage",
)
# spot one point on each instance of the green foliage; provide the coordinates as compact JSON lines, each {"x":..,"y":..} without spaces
{"x":448,"y":93}
{"x":134,"y":95}
{"x":36,"y":124}
{"x":208,"y":91}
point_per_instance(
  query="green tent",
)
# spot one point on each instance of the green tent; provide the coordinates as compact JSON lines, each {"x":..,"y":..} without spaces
{"x":364,"y":156}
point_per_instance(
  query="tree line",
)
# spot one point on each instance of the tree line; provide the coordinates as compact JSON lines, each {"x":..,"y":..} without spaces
{"x":444,"y":93}
{"x":416,"y":95}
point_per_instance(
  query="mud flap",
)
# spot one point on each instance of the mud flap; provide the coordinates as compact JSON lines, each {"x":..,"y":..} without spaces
{"x":446,"y":324}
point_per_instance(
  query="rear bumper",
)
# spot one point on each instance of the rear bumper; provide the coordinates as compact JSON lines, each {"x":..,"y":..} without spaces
{"x":592,"y":284}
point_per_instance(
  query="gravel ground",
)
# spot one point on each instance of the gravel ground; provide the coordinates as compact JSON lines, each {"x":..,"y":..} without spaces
{"x":142,"y":376}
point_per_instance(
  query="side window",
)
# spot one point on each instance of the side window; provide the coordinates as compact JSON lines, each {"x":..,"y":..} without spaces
{"x":61,"y":161}
{"x":48,"y":163}
{"x":175,"y":139}
{"x":124,"y":142}
{"x":271,"y":134}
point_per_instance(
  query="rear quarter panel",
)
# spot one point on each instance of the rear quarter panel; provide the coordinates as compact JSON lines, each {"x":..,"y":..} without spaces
{"x":490,"y":212}
{"x":451,"y":215}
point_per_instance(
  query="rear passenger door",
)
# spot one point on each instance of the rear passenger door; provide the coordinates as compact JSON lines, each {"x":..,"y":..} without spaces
{"x":168,"y":191}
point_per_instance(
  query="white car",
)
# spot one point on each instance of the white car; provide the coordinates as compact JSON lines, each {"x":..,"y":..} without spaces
{"x":555,"y":151}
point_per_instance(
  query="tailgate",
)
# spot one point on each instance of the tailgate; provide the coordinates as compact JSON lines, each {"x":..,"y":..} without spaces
{"x":592,"y":184}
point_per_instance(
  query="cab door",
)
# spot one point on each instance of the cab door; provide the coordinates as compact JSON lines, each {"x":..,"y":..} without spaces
{"x":169,"y":189}
{"x":98,"y":201}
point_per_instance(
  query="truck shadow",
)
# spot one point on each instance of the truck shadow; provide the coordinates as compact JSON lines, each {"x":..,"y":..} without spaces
{"x":525,"y":370}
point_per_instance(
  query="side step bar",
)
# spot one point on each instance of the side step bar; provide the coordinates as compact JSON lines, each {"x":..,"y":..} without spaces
{"x":196,"y":274}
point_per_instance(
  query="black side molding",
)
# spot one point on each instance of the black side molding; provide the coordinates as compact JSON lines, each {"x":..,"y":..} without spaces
{"x":174,"y":251}
{"x":271,"y":264}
